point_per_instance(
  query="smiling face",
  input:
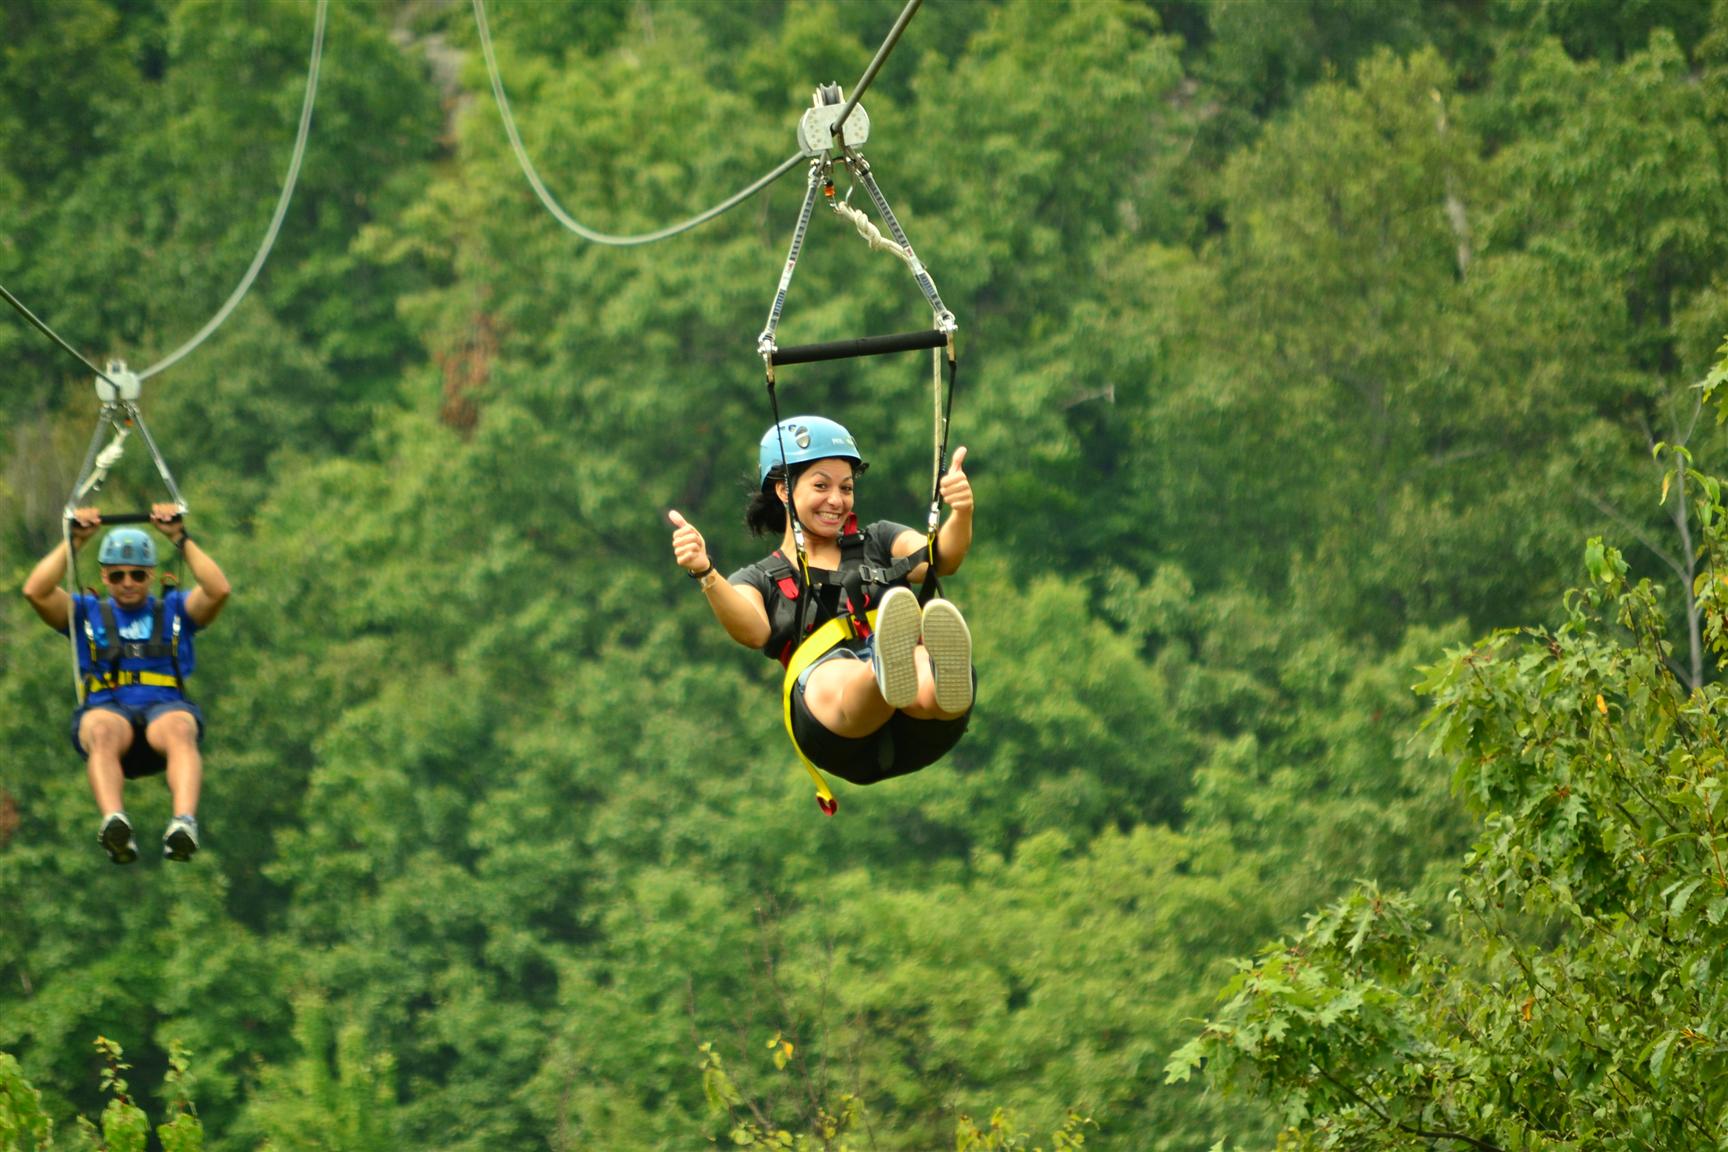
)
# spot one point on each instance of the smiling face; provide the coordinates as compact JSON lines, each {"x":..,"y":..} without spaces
{"x":823,"y":497}
{"x":129,"y":584}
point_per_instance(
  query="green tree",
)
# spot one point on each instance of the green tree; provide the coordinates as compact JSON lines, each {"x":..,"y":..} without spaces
{"x":1571,"y":1001}
{"x":123,"y":1127}
{"x":24,"y":1125}
{"x":338,"y":1092}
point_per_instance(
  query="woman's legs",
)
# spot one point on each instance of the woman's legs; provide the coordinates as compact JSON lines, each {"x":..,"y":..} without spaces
{"x":843,"y":697}
{"x":948,"y":649}
{"x":926,"y":707}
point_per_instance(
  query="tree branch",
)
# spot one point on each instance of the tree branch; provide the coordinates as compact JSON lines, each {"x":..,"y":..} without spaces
{"x":1413,"y":1129}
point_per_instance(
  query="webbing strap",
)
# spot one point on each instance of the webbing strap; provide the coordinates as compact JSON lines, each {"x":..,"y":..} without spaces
{"x":855,"y":577}
{"x":820,"y":643}
{"x":898,"y":570}
{"x":931,"y":586}
{"x":765,"y":342}
{"x":164,"y":643}
{"x":802,"y":567}
{"x":111,"y":680}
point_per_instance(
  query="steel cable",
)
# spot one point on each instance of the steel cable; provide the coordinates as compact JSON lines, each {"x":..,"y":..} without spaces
{"x":875,"y":64}
{"x":257,"y":261}
{"x":555,"y":208}
{"x":282,"y":202}
{"x":50,"y":333}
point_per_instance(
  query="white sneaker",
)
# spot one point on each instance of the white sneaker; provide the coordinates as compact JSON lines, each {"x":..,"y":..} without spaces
{"x":180,"y":840}
{"x":115,"y":836}
{"x":894,"y":654}
{"x":949,"y":643}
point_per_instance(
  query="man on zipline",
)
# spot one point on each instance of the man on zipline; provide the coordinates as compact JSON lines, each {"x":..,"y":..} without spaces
{"x":134,"y":655}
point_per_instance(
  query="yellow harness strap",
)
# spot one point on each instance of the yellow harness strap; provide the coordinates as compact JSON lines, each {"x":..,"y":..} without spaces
{"x":112,"y":680}
{"x":818,"y":644}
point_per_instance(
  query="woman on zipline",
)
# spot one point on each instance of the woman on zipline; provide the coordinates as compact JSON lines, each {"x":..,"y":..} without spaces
{"x":876,"y":703}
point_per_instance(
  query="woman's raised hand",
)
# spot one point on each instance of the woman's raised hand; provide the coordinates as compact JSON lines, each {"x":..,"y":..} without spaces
{"x":955,"y":488}
{"x":688,"y":547}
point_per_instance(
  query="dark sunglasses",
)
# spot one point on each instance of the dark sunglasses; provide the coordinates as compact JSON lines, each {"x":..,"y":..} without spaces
{"x":136,"y":575}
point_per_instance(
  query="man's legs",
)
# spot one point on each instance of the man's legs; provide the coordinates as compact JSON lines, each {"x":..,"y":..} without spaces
{"x":105,"y":737}
{"x":175,"y":736}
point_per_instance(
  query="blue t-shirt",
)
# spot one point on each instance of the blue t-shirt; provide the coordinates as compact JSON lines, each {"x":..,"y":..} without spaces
{"x":134,"y":626}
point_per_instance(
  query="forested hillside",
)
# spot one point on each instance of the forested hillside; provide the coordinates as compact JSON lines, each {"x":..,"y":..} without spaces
{"x":1301,"y":343}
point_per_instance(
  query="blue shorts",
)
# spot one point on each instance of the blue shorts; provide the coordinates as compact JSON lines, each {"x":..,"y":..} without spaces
{"x":140,"y":759}
{"x":838,"y":652}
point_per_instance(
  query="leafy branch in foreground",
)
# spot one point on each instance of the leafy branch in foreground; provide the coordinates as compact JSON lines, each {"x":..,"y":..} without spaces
{"x":837,"y":1124}
{"x":124,"y":1126}
{"x":24,"y":1126}
{"x":1576,"y":998}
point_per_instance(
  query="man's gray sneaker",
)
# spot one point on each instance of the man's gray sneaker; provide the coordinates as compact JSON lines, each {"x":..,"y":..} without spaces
{"x":115,"y":836}
{"x":180,"y":841}
{"x":894,"y":653}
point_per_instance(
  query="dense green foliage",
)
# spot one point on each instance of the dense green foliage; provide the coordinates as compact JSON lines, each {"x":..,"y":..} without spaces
{"x":1299,"y":341}
{"x":1574,"y":1000}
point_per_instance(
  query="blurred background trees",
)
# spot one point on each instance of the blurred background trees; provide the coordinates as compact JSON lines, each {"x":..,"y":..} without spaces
{"x":1299,"y":342}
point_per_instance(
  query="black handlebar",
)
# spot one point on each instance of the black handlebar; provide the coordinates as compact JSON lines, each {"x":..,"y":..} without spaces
{"x":862,"y":346}
{"x":128,"y":518}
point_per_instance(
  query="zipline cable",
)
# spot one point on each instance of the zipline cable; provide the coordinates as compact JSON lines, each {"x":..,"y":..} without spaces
{"x":276,"y":220}
{"x":875,"y":65}
{"x":553,"y":206}
{"x":51,"y":334}
{"x":257,"y":261}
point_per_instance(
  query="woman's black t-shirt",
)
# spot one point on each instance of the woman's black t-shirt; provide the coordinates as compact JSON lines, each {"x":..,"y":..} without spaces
{"x":879,"y":540}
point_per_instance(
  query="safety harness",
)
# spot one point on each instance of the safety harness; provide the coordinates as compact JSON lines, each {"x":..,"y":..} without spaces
{"x":115,"y":652}
{"x":861,"y":585}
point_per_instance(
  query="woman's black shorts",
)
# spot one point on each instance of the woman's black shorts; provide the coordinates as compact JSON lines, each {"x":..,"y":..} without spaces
{"x":902,"y":745}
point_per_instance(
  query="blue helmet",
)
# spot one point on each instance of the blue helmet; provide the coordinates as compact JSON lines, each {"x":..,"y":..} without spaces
{"x":128,"y":546}
{"x":805,"y":438}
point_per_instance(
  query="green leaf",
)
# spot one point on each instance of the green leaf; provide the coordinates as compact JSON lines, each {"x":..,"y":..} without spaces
{"x":1677,"y":903}
{"x":1659,"y":1056}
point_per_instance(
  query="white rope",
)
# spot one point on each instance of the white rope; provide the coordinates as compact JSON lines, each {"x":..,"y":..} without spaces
{"x":70,"y":580}
{"x":934,"y":520}
{"x":281,"y":207}
{"x":105,"y":460}
{"x":872,"y":234}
